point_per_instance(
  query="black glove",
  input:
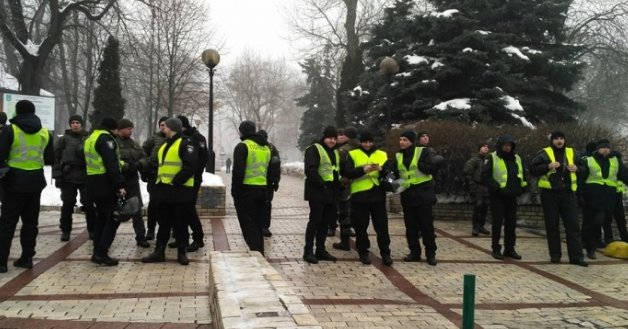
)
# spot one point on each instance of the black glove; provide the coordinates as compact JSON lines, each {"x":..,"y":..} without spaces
{"x":58,"y":183}
{"x":276,"y":187}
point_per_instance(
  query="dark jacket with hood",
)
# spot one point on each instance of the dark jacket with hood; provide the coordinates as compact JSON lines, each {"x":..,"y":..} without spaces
{"x":513,"y":185}
{"x":240,"y":154}
{"x":134,"y":157}
{"x":106,"y":186}
{"x":473,"y":174}
{"x":420,"y":194}
{"x":376,"y":193}
{"x":177,"y":192}
{"x":17,"y":180}
{"x":343,"y":151}
{"x":151,"y":146}
{"x":68,"y":166}
{"x":601,"y":197}
{"x":562,"y":178}
{"x":316,"y":189}
{"x":274,"y":168}
{"x":200,"y":143}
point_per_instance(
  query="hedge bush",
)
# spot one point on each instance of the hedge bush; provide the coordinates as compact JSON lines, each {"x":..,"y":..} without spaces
{"x":457,"y":142}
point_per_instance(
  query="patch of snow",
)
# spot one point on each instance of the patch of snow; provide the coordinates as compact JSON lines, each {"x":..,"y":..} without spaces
{"x":499,"y":89}
{"x":66,"y":5}
{"x":211,"y":180}
{"x":415,"y":59}
{"x":467,"y":50}
{"x":483,"y":32}
{"x":446,"y":14}
{"x":10,"y":82}
{"x":523,"y":120}
{"x":515,"y":51}
{"x":32,"y":48}
{"x":512,"y":103}
{"x":458,"y":103}
{"x":432,"y":43}
{"x":428,"y":81}
{"x":531,"y":51}
{"x":404,"y":74}
{"x":436,"y":65}
{"x":394,"y":84}
{"x":358,"y":88}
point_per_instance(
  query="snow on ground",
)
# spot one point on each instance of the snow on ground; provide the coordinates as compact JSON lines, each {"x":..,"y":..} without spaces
{"x":51,"y":196}
{"x":458,"y":103}
{"x":515,"y":51}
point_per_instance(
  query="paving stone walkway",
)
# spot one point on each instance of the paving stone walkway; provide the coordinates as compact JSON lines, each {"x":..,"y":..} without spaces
{"x":65,"y":290}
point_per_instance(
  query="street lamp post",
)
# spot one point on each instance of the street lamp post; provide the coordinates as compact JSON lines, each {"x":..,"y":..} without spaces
{"x":211,"y":58}
{"x":388,"y":67}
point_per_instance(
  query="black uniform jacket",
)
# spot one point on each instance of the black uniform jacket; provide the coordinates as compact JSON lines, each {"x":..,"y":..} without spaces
{"x":177,"y":192}
{"x":513,"y":185}
{"x":17,"y":180}
{"x":562,"y":178}
{"x":316,"y":189}
{"x":420,"y":194}
{"x":200,"y":143}
{"x":105,"y":186}
{"x":601,"y":197}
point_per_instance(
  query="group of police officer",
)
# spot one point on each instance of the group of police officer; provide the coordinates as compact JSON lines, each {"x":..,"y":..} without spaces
{"x":104,"y":167}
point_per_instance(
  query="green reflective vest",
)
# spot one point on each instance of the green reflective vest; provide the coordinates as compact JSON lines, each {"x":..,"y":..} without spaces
{"x":27,"y":151}
{"x":360,"y":159}
{"x":170,"y":165}
{"x":256,"y":163}
{"x":325,"y":168}
{"x":93,"y":160}
{"x":595,"y":172}
{"x":544,"y":181}
{"x":412,"y":176}
{"x":500,"y":172}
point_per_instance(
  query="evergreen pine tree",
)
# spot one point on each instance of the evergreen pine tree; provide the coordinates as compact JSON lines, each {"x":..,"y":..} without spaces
{"x":472,"y":60}
{"x":108,"y":100}
{"x":319,"y":101}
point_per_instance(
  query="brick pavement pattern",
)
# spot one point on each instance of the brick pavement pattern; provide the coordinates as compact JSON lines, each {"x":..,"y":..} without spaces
{"x":65,"y":290}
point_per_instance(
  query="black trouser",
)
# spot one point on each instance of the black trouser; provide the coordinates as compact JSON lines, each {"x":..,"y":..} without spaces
{"x":69,"y":192}
{"x":268,"y":208}
{"x":14,"y":207}
{"x":195,"y":221}
{"x":480,"y":210}
{"x":592,"y":221}
{"x":174,"y":217}
{"x":345,"y":217}
{"x":620,"y":218}
{"x":151,"y":220}
{"x":249,"y":207}
{"x":106,"y":227}
{"x":138,"y":220}
{"x":562,"y":203}
{"x":317,"y":225}
{"x":377,"y":212}
{"x":420,"y":219}
{"x":504,"y":213}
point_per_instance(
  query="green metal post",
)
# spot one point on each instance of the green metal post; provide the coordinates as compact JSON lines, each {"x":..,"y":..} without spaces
{"x":468,"y":302}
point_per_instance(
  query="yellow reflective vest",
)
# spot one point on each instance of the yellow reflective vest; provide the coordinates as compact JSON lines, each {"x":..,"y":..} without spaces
{"x":93,"y":160}
{"x":257,"y":162}
{"x":412,"y":175}
{"x":500,"y":172}
{"x":27,"y":150}
{"x":171,"y":164}
{"x":595,"y":172}
{"x":326,"y":168}
{"x":544,"y":181}
{"x":371,"y":179}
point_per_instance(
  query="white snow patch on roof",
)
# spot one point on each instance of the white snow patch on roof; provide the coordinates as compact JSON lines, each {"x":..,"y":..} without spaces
{"x":458,"y":103}
{"x":8,"y":81}
{"x":512,"y":103}
{"x":404,"y":74}
{"x":483,"y":32}
{"x":523,"y":120}
{"x":515,"y":51}
{"x":415,"y":59}
{"x":447,"y":13}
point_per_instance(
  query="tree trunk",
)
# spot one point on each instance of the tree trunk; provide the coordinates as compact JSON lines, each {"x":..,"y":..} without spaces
{"x":31,"y":75}
{"x":352,"y":66}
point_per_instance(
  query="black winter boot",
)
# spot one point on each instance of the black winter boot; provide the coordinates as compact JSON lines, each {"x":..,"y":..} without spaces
{"x":158,"y":256}
{"x":343,"y":244}
{"x":182,"y":258}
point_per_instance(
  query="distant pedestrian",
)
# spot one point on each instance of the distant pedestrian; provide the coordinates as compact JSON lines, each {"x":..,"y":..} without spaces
{"x":228,"y":165}
{"x":478,"y":192}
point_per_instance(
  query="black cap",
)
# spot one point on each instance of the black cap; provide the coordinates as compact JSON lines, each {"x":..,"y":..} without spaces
{"x":603,"y":143}
{"x":366,"y":136}
{"x":591,"y":147}
{"x":330,"y":131}
{"x":409,"y":134}
{"x":185,"y":123}
{"x":174,"y":124}
{"x":247,"y":128}
{"x":557,"y":134}
{"x":263,"y":133}
{"x":421,"y":133}
{"x":480,"y":145}
{"x":24,"y":106}
{"x":351,"y":132}
{"x":125,"y":123}
{"x":75,"y":117}
{"x":109,"y":123}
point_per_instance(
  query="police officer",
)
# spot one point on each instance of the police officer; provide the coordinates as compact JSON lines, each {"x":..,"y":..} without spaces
{"x":479,"y":193}
{"x":321,"y":188}
{"x":200,"y":144}
{"x":135,"y":160}
{"x":504,"y":177}
{"x":368,"y":197}
{"x":602,"y":172}
{"x":3,"y":122}
{"x":556,"y":168}
{"x":70,"y":175}
{"x":415,"y":165}
{"x":149,"y":175}
{"x":105,"y":184}
{"x":25,"y":146}
{"x":274,"y":176}
{"x":251,"y":158}
{"x":174,"y":192}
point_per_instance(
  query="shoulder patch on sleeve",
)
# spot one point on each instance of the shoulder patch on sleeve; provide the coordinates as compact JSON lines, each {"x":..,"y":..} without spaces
{"x":190,"y":148}
{"x":111,"y":144}
{"x":202,"y":145}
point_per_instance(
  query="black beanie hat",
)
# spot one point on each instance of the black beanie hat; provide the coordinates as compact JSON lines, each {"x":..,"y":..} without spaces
{"x":366,"y":136}
{"x":24,"y":106}
{"x":557,"y":134}
{"x":3,"y":118}
{"x":480,"y":145}
{"x":162,"y":119}
{"x":263,"y":133}
{"x":421,"y":133}
{"x":409,"y":134}
{"x":109,"y":123}
{"x":125,"y":123}
{"x":330,"y":131}
{"x":185,"y":123}
{"x":174,"y":124}
{"x":351,"y":132}
{"x":75,"y":117}
{"x":591,"y":147}
{"x":603,"y":143}
{"x":247,"y":128}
